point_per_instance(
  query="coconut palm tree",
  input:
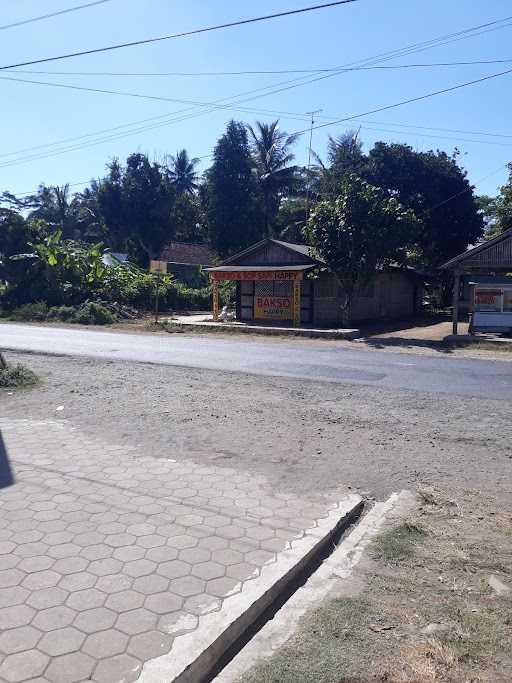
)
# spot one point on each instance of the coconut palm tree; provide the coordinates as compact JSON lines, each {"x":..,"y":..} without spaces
{"x":182,"y":173}
{"x":270,"y":148}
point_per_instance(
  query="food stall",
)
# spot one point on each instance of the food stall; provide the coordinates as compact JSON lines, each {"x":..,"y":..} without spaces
{"x":492,"y":305}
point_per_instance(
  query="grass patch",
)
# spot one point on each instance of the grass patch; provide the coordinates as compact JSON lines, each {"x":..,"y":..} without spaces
{"x":397,"y":544}
{"x":327,"y":648}
{"x":16,"y":377}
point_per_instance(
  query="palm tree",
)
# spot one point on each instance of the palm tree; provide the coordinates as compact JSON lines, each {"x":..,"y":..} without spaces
{"x":182,"y":173}
{"x":271,"y":153}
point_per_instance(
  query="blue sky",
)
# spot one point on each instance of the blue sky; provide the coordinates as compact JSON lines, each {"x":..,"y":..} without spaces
{"x":33,"y":115}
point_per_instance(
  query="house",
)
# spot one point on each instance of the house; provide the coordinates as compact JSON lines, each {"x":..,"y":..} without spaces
{"x":186,"y":259}
{"x":283,"y":282}
{"x":479,"y":276}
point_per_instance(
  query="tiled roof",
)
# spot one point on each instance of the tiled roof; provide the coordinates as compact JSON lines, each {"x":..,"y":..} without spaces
{"x":190,"y":253}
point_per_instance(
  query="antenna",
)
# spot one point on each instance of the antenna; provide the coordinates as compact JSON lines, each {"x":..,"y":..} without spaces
{"x":312,"y":113}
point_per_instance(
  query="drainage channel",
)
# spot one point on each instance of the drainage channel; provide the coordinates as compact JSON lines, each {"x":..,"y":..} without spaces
{"x":292,"y":582}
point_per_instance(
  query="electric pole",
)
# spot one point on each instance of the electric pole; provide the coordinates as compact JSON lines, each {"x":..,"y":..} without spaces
{"x":317,"y":111}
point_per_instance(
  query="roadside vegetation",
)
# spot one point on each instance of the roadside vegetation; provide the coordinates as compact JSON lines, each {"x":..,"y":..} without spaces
{"x":436,"y":606}
{"x":53,"y":243}
{"x":15,"y":376}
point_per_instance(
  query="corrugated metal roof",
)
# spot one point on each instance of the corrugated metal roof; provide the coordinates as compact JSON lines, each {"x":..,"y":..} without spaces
{"x":257,"y":269}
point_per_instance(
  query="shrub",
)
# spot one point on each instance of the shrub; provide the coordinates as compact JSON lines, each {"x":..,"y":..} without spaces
{"x":34,"y":311}
{"x":14,"y":376}
{"x":92,"y":313}
{"x":63,"y":313}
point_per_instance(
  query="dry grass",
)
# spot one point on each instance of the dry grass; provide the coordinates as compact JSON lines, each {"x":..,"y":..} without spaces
{"x":428,"y":585}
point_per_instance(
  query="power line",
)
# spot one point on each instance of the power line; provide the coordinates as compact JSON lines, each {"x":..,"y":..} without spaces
{"x":163,"y":120}
{"x":183,"y":34}
{"x":145,"y":74}
{"x":53,"y":14}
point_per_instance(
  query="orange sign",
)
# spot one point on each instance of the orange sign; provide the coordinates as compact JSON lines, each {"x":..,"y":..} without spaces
{"x":286,"y":275}
{"x":273,"y":308}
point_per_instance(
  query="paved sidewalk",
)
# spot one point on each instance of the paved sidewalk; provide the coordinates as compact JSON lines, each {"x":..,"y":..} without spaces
{"x":108,"y":555}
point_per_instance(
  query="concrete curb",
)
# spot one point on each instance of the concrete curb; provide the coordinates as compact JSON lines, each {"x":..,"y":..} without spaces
{"x":194,"y":655}
{"x":268,"y":330}
{"x":339,"y":565}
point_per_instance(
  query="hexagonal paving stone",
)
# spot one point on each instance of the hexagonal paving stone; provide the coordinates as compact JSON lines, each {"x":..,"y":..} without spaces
{"x":37,"y":563}
{"x":79,"y":581}
{"x":242,"y":571}
{"x":10,"y":577}
{"x":202,"y":604}
{"x":15,"y":595}
{"x":70,"y":565}
{"x":227,"y":556}
{"x":70,"y":668}
{"x":260,"y":557}
{"x":149,"y":645}
{"x":139,"y":568}
{"x":137,"y":621}
{"x":47,"y":597}
{"x":105,"y":567}
{"x":187,"y":586}
{"x":223,"y":587}
{"x":114,"y":583}
{"x":161,"y":603}
{"x":120,"y":668}
{"x":9,"y":561}
{"x":125,"y":601}
{"x":194,"y":555}
{"x":208,"y":570}
{"x":150,"y":584}
{"x":86,"y":599}
{"x":6,"y":547}
{"x":96,"y":552}
{"x":39,"y":580}
{"x":173,"y":569}
{"x":129,"y":553}
{"x":151,"y":541}
{"x":178,"y":623}
{"x":57,"y":537}
{"x":105,"y":644}
{"x":61,"y":641}
{"x":53,"y":618}
{"x":19,"y":639}
{"x":97,"y":619}
{"x":162,"y":554}
{"x":22,"y":666}
{"x":141,"y":529}
{"x":182,"y":541}
{"x":88,"y":538}
{"x":119,"y":540}
{"x":12,"y":617}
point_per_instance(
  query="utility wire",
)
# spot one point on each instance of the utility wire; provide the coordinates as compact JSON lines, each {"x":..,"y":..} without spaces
{"x":183,"y":34}
{"x":53,"y":14}
{"x":163,"y":120}
{"x":258,"y":73}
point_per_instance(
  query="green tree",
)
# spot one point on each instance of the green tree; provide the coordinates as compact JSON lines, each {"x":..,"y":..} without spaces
{"x":233,"y":203}
{"x":437,"y":190}
{"x":344,"y":155}
{"x":182,"y":173}
{"x":488,"y":207}
{"x":504,"y":205}
{"x":53,"y":205}
{"x":272,"y":157}
{"x":188,"y":220}
{"x":360,"y":231}
{"x":136,"y":203}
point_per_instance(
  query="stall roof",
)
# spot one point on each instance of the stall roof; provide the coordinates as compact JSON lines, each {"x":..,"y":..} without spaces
{"x":493,"y":255}
{"x":257,"y":269}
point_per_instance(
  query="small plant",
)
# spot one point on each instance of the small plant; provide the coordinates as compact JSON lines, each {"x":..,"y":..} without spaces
{"x":92,"y":313}
{"x":15,"y":376}
{"x":36,"y":311}
{"x":61,"y":313}
{"x":397,"y":544}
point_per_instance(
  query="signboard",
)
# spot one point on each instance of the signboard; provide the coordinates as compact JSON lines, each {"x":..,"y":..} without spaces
{"x":283,"y":275}
{"x":158,"y":266}
{"x":273,"y":308}
{"x":488,"y":299}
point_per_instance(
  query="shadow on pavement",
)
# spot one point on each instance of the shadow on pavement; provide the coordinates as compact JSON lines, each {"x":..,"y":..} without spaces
{"x":6,"y":475}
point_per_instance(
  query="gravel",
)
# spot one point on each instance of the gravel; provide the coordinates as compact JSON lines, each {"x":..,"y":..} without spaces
{"x":301,"y":435}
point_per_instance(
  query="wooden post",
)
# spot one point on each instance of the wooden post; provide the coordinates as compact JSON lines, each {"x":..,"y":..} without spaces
{"x":215,"y":292}
{"x":456,"y":288}
{"x":296,"y":303}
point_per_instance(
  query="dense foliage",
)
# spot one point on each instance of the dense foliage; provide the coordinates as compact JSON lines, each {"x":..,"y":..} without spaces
{"x":252,"y":190}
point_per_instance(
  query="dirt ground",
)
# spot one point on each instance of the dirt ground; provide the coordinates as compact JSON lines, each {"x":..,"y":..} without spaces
{"x":301,"y":435}
{"x":430,"y":603}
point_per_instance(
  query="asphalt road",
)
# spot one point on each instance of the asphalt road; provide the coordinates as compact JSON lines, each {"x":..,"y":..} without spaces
{"x":325,"y":362}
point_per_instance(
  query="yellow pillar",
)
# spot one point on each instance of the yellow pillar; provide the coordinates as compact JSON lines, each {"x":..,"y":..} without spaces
{"x":215,"y":292}
{"x":296,"y":303}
